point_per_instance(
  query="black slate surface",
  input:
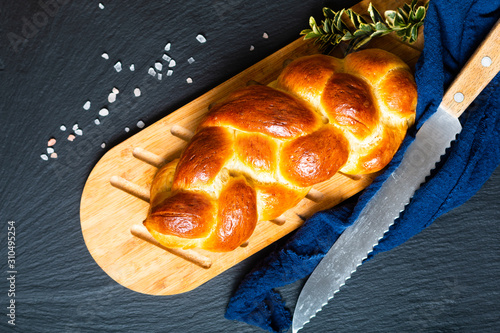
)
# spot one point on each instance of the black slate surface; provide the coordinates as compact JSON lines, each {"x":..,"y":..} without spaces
{"x":443,"y":280}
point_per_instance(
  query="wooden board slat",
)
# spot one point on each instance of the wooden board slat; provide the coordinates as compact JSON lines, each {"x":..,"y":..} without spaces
{"x":107,"y":213}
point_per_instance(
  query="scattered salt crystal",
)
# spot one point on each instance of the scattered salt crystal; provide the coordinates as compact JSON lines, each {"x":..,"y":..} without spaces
{"x":170,"y":72}
{"x":79,"y":132}
{"x":118,"y":66}
{"x":265,"y":35}
{"x":53,"y":155}
{"x":137,"y":92}
{"x":252,"y":47}
{"x":140,"y":124}
{"x":189,"y":80}
{"x":151,"y":71}
{"x":115,"y":90}
{"x":50,"y":150}
{"x":200,"y":38}
{"x":167,"y":47}
{"x":158,"y":66}
{"x":101,"y":5}
{"x":86,"y":106}
{"x":62,"y":128}
{"x":97,"y":121}
{"x":171,"y":63}
{"x":51,"y":142}
{"x":111,"y":97}
{"x":127,"y":129}
{"x":44,"y":157}
{"x":132,"y":68}
{"x":103,"y":112}
{"x":166,"y":57}
{"x":75,"y":127}
{"x":105,"y":56}
{"x":103,"y":145}
{"x":71,"y":137}
{"x":159,"y":76}
{"x":191,"y":60}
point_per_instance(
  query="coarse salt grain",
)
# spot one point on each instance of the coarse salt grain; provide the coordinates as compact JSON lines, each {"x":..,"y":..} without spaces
{"x":115,"y":90}
{"x":71,"y":137}
{"x":166,"y":57}
{"x":86,"y":106}
{"x":137,"y":92}
{"x":132,"y":68}
{"x":97,"y":121}
{"x":252,"y":47}
{"x":158,"y":66}
{"x":140,"y":124}
{"x":50,"y":150}
{"x":265,"y":35}
{"x":170,"y":72}
{"x":51,"y":142}
{"x":171,"y":63}
{"x":167,"y":47}
{"x":200,"y":38}
{"x":151,"y":71}
{"x":79,"y":132}
{"x":103,"y":112}
{"x":53,"y":155}
{"x":118,"y":66}
{"x":103,"y":145}
{"x":105,"y":56}
{"x":44,"y":157}
{"x":62,"y":128}
{"x":160,"y":76}
{"x":111,"y":97}
{"x":127,"y":129}
{"x":101,"y":5}
{"x":189,"y":80}
{"x":190,"y":60}
{"x":75,"y":127}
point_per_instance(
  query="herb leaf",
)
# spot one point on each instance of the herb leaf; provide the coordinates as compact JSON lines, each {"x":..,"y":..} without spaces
{"x":404,"y":22}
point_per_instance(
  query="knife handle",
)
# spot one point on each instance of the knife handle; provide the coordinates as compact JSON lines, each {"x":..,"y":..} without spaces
{"x":479,"y":70}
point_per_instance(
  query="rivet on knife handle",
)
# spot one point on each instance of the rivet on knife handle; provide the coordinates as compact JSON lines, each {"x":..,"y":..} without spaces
{"x":479,"y":70}
{"x":431,"y":142}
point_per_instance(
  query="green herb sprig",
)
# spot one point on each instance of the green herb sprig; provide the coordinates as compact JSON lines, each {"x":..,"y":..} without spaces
{"x":404,"y":21}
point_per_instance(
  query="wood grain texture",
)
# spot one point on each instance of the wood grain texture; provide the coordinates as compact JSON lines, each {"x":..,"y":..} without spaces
{"x":479,"y":70}
{"x":107,"y":213}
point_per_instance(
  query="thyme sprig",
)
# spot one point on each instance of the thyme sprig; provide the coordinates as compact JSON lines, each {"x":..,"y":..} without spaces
{"x":404,"y":22}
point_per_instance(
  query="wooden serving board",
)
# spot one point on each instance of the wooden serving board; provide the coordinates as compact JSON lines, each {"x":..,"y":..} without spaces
{"x":108,"y":213}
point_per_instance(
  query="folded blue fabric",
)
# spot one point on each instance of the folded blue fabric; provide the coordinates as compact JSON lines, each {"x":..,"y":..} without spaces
{"x":452,"y":31}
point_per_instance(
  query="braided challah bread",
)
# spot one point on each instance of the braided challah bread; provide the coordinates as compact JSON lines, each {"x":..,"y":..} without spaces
{"x":257,"y":153}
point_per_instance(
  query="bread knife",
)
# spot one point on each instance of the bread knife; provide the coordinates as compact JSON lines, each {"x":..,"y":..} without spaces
{"x":431,"y":142}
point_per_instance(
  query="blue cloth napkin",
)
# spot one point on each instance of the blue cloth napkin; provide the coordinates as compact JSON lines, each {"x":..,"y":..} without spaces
{"x":452,"y":31}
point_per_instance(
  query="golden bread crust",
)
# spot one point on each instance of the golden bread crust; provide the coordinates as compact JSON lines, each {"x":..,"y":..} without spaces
{"x":183,"y":214}
{"x":204,"y":157}
{"x":348,"y":103}
{"x":257,"y":153}
{"x":264,"y":110}
{"x":313,"y":158}
{"x":237,"y":216}
{"x":275,"y":199}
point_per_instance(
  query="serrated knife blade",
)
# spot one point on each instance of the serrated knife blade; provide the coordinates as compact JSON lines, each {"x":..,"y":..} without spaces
{"x":430,"y":144}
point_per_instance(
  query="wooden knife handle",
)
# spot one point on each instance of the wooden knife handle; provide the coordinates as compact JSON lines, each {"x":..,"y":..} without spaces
{"x":479,"y":70}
